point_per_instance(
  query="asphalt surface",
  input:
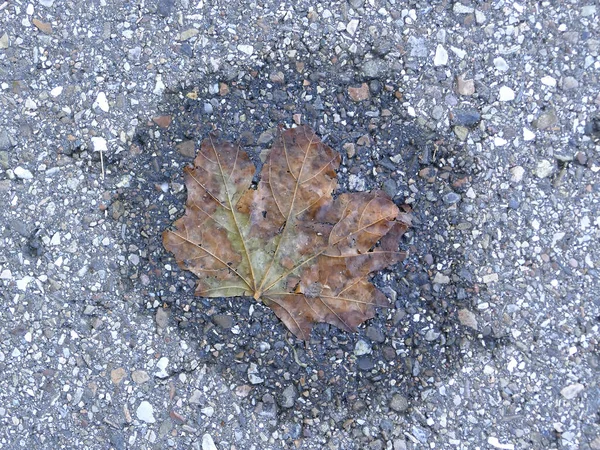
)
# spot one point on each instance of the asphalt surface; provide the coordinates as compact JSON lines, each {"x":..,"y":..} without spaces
{"x":482,"y":116}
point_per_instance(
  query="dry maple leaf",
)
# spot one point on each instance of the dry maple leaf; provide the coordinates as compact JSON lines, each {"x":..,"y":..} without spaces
{"x":288,"y":243}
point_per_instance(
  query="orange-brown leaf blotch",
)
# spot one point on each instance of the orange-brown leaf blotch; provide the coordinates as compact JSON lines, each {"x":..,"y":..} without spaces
{"x":288,"y":243}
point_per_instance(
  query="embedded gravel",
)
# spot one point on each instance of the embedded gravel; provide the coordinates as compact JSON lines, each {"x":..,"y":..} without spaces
{"x":483,"y":117}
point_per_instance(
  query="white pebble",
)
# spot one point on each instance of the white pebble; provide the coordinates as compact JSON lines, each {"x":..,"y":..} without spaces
{"x":22,"y":173}
{"x":161,"y":365}
{"x":56,"y":91}
{"x":544,"y":168}
{"x":572,"y":391}
{"x":245,"y":48}
{"x":441,"y":56}
{"x":145,"y":412}
{"x":102,"y":102}
{"x":22,"y":283}
{"x":99,"y":144}
{"x":549,"y":81}
{"x":208,"y":443}
{"x":500,"y":64}
{"x":6,"y":275}
{"x":499,"y":142}
{"x":506,"y":94}
{"x":352,"y":26}
{"x":159,"y":87}
{"x":517,"y":173}
{"x":528,"y":135}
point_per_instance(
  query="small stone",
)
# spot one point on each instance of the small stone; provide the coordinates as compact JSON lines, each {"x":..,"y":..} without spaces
{"x":350,"y":149}
{"x":246,"y":49}
{"x":588,"y":10}
{"x":479,"y":17}
{"x":252,"y":374}
{"x":440,"y":278}
{"x":30,"y":104}
{"x":375,"y":334}
{"x":223,"y":89}
{"x":140,"y":376}
{"x":500,"y":64}
{"x":467,"y":318}
{"x":428,"y":174}
{"x":359,"y":94}
{"x":528,"y":135}
{"x":161,"y":365}
{"x":222,"y":321}
{"x":374,"y":68}
{"x":243,"y":391}
{"x":134,"y":53}
{"x":159,"y":86}
{"x":459,"y":8}
{"x":208,"y":443}
{"x":365,"y":363}
{"x":441,"y":56}
{"x":399,"y":403}
{"x":208,"y":108}
{"x":99,"y":144}
{"x":467,"y":117}
{"x":544,"y":169}
{"x":55,"y":92}
{"x":44,"y":27}
{"x":288,"y":397}
{"x":362,"y":348}
{"x":162,"y":317}
{"x":490,"y":278}
{"x":6,"y":275}
{"x":506,"y":94}
{"x":451,"y":198}
{"x":549,"y":81}
{"x":4,"y":43}
{"x":188,"y":34}
{"x":572,"y":391}
{"x":581,"y":158}
{"x":267,"y":136}
{"x":465,"y":87}
{"x":545,"y":120}
{"x":569,"y":83}
{"x":162,"y":121}
{"x":145,"y":412}
{"x":5,"y":141}
{"x":461,"y":132}
{"x":117,"y":375}
{"x":102,"y":102}
{"x":22,"y":173}
{"x":187,"y":148}
{"x":517,"y":174}
{"x":277,"y":77}
{"x":352,"y":26}
{"x":418,"y":47}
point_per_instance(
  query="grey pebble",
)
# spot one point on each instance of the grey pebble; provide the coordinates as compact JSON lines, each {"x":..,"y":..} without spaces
{"x":162,"y":317}
{"x":365,"y":363}
{"x":288,"y":397}
{"x":5,"y":141}
{"x":451,"y":198}
{"x":467,"y":117}
{"x":223,"y":321}
{"x":399,"y":403}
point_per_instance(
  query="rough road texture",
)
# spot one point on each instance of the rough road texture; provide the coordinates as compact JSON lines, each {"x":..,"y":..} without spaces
{"x":483,"y":116}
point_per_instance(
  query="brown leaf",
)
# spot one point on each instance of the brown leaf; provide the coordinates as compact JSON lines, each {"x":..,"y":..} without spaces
{"x":288,"y":243}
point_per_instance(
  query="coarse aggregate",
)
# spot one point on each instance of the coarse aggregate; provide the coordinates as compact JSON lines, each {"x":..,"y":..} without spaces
{"x":482,"y":116}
